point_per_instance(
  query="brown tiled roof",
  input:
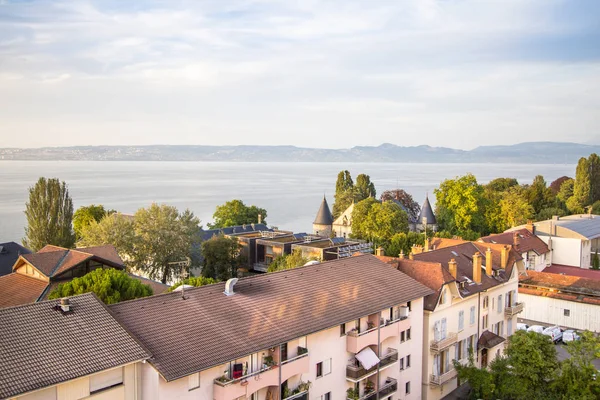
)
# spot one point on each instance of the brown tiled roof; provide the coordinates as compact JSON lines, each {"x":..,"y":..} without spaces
{"x":157,"y":287}
{"x":106,"y":253}
{"x":564,"y":283}
{"x":42,"y":346}
{"x":572,"y":271}
{"x":18,"y":289}
{"x":45,"y":261}
{"x":488,"y":340}
{"x":209,"y":328}
{"x":560,"y":295}
{"x":440,"y":243}
{"x":527,"y":241}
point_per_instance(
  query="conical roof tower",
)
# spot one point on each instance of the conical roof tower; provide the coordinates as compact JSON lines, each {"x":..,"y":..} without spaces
{"x":427,"y":212}
{"x":324,"y":216}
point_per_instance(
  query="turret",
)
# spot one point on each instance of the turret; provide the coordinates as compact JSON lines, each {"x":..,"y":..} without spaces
{"x":323,"y":221}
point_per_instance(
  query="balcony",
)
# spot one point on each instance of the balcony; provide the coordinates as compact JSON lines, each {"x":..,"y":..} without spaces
{"x":298,"y":396}
{"x":514,"y":310}
{"x":356,"y":341}
{"x":439,"y":380}
{"x":295,"y":365}
{"x":388,"y":388}
{"x":355,"y":374}
{"x":439,"y":345}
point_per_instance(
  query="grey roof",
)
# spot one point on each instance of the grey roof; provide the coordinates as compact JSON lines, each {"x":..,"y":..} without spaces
{"x":208,"y":328}
{"x":9,"y":253}
{"x":585,"y":225}
{"x":229,"y":230}
{"x":427,"y":212}
{"x":41,"y":346}
{"x":324,"y":216}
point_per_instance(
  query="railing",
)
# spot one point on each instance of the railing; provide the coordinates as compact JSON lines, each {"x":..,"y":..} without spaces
{"x":443,"y":378}
{"x":357,"y":373}
{"x":302,"y":352}
{"x":439,"y":345}
{"x":388,"y":388}
{"x":261,"y":267}
{"x":298,"y":396}
{"x":514,"y":310}
{"x":225,"y":381}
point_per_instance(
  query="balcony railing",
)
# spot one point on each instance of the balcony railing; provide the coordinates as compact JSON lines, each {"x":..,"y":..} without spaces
{"x":443,"y":378}
{"x":514,"y":310}
{"x":439,"y":345}
{"x":298,"y":396}
{"x":388,"y":388}
{"x":356,"y":374}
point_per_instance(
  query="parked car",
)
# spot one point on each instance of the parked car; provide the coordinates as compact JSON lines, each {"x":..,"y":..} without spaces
{"x":570,"y":335}
{"x":536,"y":328}
{"x":554,"y":332}
{"x":522,"y":327}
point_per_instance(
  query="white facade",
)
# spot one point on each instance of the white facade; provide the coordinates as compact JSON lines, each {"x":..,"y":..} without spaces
{"x":564,"y":313}
{"x":569,"y":251}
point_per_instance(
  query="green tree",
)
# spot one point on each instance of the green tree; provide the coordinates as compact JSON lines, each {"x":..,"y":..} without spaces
{"x":221,"y":257}
{"x":594,"y":166}
{"x":110,"y":285}
{"x":195,"y":281}
{"x":501,"y":184}
{"x":515,"y":209}
{"x":596,"y":208}
{"x":288,"y":261}
{"x":84,"y":216}
{"x":538,"y":195}
{"x":548,"y":213}
{"x":235,"y":212}
{"x":403,"y":242}
{"x":410,"y":205}
{"x":595,"y":261}
{"x":49,"y":213}
{"x":566,"y":191}
{"x":378,"y":222}
{"x":459,"y":205}
{"x":115,"y":229}
{"x":344,"y":193}
{"x":363,"y":188}
{"x":163,"y":237}
{"x":581,"y":189}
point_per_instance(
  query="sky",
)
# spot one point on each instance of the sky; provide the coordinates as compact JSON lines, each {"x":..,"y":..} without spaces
{"x":327,"y":74}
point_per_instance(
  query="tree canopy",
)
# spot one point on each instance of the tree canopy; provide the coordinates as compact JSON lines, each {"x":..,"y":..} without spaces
{"x":235,"y":212}
{"x":411,"y":207}
{"x":344,"y":193}
{"x":49,"y":213}
{"x":221,"y":257}
{"x":288,"y":261}
{"x":84,"y":216}
{"x":377,"y":222}
{"x":363,"y":188}
{"x":110,"y":285}
{"x":195,"y":281}
{"x":115,"y":229}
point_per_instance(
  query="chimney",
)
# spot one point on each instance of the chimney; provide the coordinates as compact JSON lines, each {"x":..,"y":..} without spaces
{"x":229,"y":286}
{"x":516,"y":239}
{"x":260,"y":218}
{"x":504,"y":257}
{"x":380,"y":251}
{"x":488,"y":262}
{"x":401,"y":256}
{"x":411,"y":256}
{"x":530,"y":226}
{"x":477,"y":267}
{"x":416,"y":249}
{"x":65,"y":304}
{"x":555,"y":218}
{"x":452,"y":267}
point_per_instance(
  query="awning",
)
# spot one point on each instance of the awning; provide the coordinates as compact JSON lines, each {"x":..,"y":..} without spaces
{"x":488,"y":339}
{"x":367,"y":358}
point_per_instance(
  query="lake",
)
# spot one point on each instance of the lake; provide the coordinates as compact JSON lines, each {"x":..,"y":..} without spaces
{"x":290,"y":192}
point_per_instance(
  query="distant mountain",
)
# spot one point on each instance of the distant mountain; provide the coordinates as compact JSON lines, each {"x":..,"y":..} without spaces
{"x":529,"y":153}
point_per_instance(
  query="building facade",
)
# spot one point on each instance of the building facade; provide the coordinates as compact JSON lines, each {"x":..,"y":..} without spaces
{"x":534,"y":251}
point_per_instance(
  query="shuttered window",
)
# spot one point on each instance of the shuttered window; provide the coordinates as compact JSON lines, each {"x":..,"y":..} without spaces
{"x":105,"y":380}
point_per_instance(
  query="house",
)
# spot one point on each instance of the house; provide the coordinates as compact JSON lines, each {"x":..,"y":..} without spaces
{"x":331,"y":249}
{"x":473,"y":306}
{"x":68,"y":349}
{"x":534,"y":251}
{"x":35,"y":275}
{"x":9,"y":253}
{"x":569,"y":301}
{"x":571,"y":239}
{"x":349,"y":324}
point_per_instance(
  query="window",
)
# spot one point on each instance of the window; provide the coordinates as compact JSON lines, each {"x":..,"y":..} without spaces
{"x":324,"y":368}
{"x":461,"y":320}
{"x":319,"y":370}
{"x":408,"y":334}
{"x":409,"y":305}
{"x":443,"y":296}
{"x":472,"y":316}
{"x":407,"y":387}
{"x":439,"y":330}
{"x":401,"y":364}
{"x":194,"y":381}
{"x":342,"y":329}
{"x":326,"y":396}
{"x":402,"y":336}
{"x":499,"y":303}
{"x":567,"y":313}
{"x":484,"y":322}
{"x":408,"y":361}
{"x":106,"y":380}
{"x":486,"y":302}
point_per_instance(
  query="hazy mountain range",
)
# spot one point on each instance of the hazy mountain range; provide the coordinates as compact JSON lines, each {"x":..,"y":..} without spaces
{"x":533,"y":153}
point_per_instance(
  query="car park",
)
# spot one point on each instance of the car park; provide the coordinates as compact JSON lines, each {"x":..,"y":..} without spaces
{"x":536,"y":328}
{"x":522,"y":327}
{"x":570,"y":335}
{"x":554,"y":332}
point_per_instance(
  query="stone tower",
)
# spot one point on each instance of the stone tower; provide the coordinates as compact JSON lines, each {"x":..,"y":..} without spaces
{"x":322,"y":224}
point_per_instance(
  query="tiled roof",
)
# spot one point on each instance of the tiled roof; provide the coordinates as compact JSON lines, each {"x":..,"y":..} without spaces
{"x":324,"y":216}
{"x":440,"y":243}
{"x":46,"y":261}
{"x":106,"y":253}
{"x":41,"y":346}
{"x":209,"y":328}
{"x":9,"y":253}
{"x":562,"y":296}
{"x":573,"y":271}
{"x":564,"y":283}
{"x":527,"y":241}
{"x":488,"y":340}
{"x":157,"y":287}
{"x":18,"y":289}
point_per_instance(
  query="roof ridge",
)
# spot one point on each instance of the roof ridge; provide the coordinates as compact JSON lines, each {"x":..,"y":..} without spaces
{"x":59,"y":263}
{"x":40,"y":302}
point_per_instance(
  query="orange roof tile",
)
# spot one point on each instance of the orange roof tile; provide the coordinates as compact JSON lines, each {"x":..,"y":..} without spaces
{"x":18,"y":289}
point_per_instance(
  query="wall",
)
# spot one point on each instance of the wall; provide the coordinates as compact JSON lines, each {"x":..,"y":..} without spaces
{"x":565,"y":251}
{"x":550,"y":311}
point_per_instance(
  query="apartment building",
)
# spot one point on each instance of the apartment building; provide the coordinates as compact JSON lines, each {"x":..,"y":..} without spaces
{"x":534,"y":251}
{"x":349,"y":328}
{"x":473,"y":307}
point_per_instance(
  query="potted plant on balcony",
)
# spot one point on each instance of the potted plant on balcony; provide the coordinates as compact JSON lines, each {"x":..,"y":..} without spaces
{"x":302,"y":350}
{"x":352,"y":394}
{"x":370,"y":325}
{"x":268,"y":361}
{"x":369,"y":387}
{"x":223,"y":379}
{"x":304,"y":386}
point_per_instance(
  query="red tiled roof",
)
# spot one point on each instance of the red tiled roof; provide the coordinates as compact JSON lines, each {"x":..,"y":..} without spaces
{"x":561,"y":296}
{"x":527,"y":241}
{"x":106,"y":253}
{"x":440,"y":243}
{"x":157,"y":287}
{"x":488,"y":340}
{"x":46,"y":261}
{"x":18,"y":289}
{"x":573,"y":271}
{"x":563,"y":283}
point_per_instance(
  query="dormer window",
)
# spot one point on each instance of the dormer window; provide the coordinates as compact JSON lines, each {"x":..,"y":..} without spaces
{"x":443,"y":296}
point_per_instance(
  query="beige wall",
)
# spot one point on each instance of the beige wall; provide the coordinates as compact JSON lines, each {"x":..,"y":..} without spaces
{"x":551,"y":311}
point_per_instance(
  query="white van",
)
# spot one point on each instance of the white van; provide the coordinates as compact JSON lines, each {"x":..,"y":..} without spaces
{"x":569,"y":336}
{"x":522,"y":327}
{"x":554,"y":332}
{"x":536,"y":328}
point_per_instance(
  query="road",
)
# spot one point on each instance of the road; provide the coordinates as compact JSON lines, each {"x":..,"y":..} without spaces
{"x":562,"y":354}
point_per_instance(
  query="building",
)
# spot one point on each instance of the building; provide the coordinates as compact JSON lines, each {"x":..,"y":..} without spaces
{"x":571,"y":239}
{"x":337,"y":325}
{"x":565,"y":300}
{"x":331,"y":249}
{"x":322,"y":225}
{"x":426,"y":218}
{"x":35,"y":275}
{"x":473,"y":306}
{"x":534,"y":251}
{"x":68,"y":349}
{"x":9,"y":253}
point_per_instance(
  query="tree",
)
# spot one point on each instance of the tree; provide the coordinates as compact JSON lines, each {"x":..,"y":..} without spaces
{"x":344,"y":193}
{"x":557,"y":183}
{"x":110,"y":285}
{"x":459,"y":205}
{"x":195,"y":281}
{"x":538,"y":195}
{"x":235,"y":212}
{"x":115,"y":229}
{"x":501,"y":184}
{"x":596,"y":208}
{"x":515,"y":209}
{"x":594,"y":166}
{"x":288,"y":261}
{"x":84,"y":216}
{"x":595,"y":261}
{"x":221,"y":257}
{"x":363,"y":188}
{"x":565,"y":192}
{"x":411,"y":207}
{"x":377,"y":222}
{"x":49,"y":213}
{"x":581,"y":189}
{"x":403,"y":242}
{"x":163,"y":237}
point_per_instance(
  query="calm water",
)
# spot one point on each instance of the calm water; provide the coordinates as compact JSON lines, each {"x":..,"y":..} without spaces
{"x":291,"y":192}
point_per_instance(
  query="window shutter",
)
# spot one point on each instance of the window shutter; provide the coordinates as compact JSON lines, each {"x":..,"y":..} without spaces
{"x":461,"y":320}
{"x":436,"y":331}
{"x":472,"y":316}
{"x":443,"y":335}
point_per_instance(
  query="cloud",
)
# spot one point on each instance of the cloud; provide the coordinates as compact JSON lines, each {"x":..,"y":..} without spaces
{"x":324,"y":73}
